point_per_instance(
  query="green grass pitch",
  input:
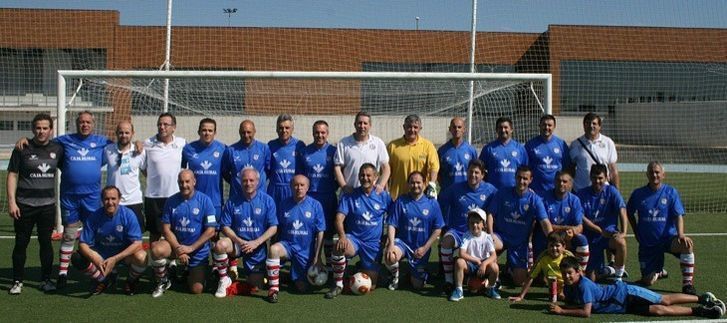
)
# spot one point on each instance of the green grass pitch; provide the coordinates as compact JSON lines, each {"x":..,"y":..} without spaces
{"x":382,"y":305}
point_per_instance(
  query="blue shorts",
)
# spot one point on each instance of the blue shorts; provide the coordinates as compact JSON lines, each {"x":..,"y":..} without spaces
{"x":299,"y":261}
{"x":651,"y":258}
{"x":279,"y":192}
{"x":456,"y":235}
{"x":417,"y":267}
{"x":199,"y":258}
{"x":597,"y":246}
{"x":77,"y":207}
{"x":517,"y":254}
{"x":329,"y":202}
{"x":368,"y":251}
{"x":253,"y":263}
{"x":639,"y":299}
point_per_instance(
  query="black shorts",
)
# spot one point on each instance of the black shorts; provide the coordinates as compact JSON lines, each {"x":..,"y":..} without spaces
{"x":153,"y":208}
{"x":637,"y":305}
{"x":137,"y":208}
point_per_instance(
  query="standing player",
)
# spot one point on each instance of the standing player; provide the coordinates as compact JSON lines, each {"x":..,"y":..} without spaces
{"x":188,"y":222}
{"x":547,"y":155}
{"x":163,"y":163}
{"x":246,"y":153}
{"x":511,"y":215}
{"x":604,"y":209}
{"x":593,"y":148}
{"x":248,"y":222}
{"x":414,"y":224}
{"x":204,"y":158}
{"x":357,"y":149}
{"x":656,"y":213}
{"x":503,"y":155}
{"x":362,"y":212}
{"x":302,"y":224}
{"x":80,"y":184}
{"x":31,"y":199}
{"x":315,"y":161}
{"x":455,"y":202}
{"x":565,"y":213}
{"x":112,"y":235}
{"x":282,"y":162}
{"x":123,"y":168}
{"x":412,"y":153}
{"x":454,"y":156}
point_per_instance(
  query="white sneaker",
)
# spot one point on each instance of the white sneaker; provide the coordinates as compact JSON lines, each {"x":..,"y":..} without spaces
{"x":16,"y":289}
{"x":222,"y":287}
{"x":161,"y":288}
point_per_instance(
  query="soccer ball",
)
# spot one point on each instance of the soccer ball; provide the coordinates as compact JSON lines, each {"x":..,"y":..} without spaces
{"x":475,"y":284}
{"x":317,"y":276}
{"x":607,"y":272}
{"x":360,"y":283}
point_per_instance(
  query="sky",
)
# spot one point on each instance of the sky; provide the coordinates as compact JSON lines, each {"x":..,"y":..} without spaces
{"x":500,"y":15}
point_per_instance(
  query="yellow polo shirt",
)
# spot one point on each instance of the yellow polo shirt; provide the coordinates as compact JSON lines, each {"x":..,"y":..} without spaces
{"x":405,"y":158}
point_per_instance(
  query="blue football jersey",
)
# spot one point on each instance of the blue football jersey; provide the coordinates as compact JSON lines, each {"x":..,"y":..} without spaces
{"x":317,"y":164}
{"x":238,"y":157}
{"x":82,"y":162}
{"x":249,"y":219}
{"x":459,"y":198}
{"x":299,"y":222}
{"x":545,"y":159}
{"x":502,"y":160}
{"x":656,"y":213}
{"x":282,"y":162}
{"x":206,"y":163}
{"x":415,"y":220}
{"x":453,"y":162}
{"x":110,"y":235}
{"x":605,"y":299}
{"x":514,"y":215}
{"x":567,"y":211}
{"x":365,"y":213}
{"x":188,"y":219}
{"x":602,"y":208}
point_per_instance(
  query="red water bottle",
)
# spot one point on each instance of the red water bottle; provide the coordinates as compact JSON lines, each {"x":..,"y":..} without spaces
{"x":553,"y":284}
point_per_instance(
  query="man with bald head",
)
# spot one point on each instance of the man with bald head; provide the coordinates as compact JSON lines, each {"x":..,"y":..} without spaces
{"x":246,"y":153}
{"x":455,"y":155}
{"x":188,"y":222}
{"x":123,"y":169}
{"x":302,"y":224}
{"x":248,"y":221}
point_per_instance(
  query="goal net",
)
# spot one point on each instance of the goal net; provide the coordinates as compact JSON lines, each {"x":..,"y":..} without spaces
{"x":655,"y":71}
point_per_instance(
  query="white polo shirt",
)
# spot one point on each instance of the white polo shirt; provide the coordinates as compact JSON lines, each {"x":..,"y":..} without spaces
{"x":603,"y":148}
{"x":122,"y":171}
{"x":163,"y":163}
{"x":351,"y":154}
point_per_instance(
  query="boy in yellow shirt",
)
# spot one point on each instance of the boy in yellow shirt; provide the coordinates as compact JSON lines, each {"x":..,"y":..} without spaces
{"x":548,"y":265}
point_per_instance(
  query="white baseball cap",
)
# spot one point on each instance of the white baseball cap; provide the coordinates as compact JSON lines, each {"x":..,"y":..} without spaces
{"x":480,"y":212}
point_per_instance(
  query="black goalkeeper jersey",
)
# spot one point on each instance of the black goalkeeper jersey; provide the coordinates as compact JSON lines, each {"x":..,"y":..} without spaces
{"x":36,"y":168}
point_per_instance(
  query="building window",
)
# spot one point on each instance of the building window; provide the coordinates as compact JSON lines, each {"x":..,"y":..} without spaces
{"x":6,"y":125}
{"x":25,"y":125}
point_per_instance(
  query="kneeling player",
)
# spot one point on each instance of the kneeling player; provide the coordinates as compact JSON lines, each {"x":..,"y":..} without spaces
{"x":566,"y":216}
{"x":416,"y":222}
{"x":511,"y":218}
{"x":584,"y":297}
{"x":604,"y":209}
{"x":477,"y":256}
{"x":112,"y":234}
{"x":302,"y":224}
{"x":456,"y":201}
{"x":660,"y":229}
{"x":248,"y":222}
{"x":362,"y":211}
{"x":188,"y":222}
